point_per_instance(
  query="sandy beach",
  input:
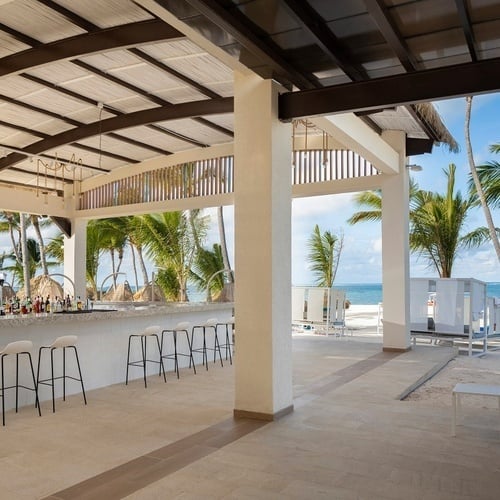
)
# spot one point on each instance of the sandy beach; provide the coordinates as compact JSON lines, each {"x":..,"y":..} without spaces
{"x":363,"y":325}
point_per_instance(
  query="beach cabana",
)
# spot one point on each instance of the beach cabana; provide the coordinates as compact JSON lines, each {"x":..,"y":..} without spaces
{"x":450,"y":308}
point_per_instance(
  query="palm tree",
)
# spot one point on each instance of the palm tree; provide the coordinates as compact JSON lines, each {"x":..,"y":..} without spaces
{"x":35,"y":222}
{"x":133,"y":224}
{"x":436,"y":223}
{"x":171,"y":242}
{"x":114,"y":239}
{"x":372,"y":200}
{"x":207,"y":270}
{"x":96,"y":236}
{"x":9,"y":223}
{"x":478,"y":187}
{"x":223,"y":242}
{"x":23,"y":271}
{"x":324,"y":255}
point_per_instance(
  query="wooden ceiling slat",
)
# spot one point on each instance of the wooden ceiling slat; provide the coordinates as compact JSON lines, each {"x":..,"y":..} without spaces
{"x":71,"y":16}
{"x":186,"y":110}
{"x":108,"y":39}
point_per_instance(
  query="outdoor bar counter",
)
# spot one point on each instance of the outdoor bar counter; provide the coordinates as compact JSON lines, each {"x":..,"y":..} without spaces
{"x":102,"y":342}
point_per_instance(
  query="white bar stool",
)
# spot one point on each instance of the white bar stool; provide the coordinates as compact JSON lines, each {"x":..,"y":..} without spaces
{"x":17,"y":348}
{"x":150,"y":331}
{"x":181,"y":327}
{"x":228,"y":345}
{"x":209,"y":323}
{"x":64,"y":342}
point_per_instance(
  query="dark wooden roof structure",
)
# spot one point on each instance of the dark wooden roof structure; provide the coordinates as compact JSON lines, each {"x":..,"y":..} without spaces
{"x":108,"y":83}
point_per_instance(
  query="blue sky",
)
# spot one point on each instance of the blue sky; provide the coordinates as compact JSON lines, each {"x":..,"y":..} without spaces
{"x":361,"y":257}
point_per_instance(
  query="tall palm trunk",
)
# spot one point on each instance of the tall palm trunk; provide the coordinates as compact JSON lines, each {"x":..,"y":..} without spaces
{"x":142,"y":264}
{"x":41,"y":246}
{"x":477,"y":183}
{"x":25,"y":255}
{"x":113,"y":267}
{"x":134,"y":267}
{"x":15,"y":245}
{"x":223,"y":242}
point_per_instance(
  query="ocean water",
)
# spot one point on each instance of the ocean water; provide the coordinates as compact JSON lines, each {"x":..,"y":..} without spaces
{"x":371,"y":293}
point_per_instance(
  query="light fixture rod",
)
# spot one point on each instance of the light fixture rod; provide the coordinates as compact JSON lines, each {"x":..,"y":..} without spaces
{"x":41,"y":156}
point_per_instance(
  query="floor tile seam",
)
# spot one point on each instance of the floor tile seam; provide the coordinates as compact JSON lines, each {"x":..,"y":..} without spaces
{"x":348,"y":374}
{"x":122,"y":477}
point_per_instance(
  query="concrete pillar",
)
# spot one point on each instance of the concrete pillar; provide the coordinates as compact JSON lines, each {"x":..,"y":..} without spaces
{"x":75,"y":254}
{"x":395,"y":251}
{"x":262,"y":153}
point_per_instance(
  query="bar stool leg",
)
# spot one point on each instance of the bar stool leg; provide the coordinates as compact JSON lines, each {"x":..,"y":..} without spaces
{"x":52,"y":380}
{"x":205,"y":357}
{"x":228,"y":345}
{"x":35,"y":385}
{"x":144,"y":350}
{"x":64,"y":373}
{"x":217,"y":346}
{"x":128,"y":359}
{"x":176,"y":361}
{"x":162,"y":367}
{"x":3,"y":397}
{"x":190,"y":346}
{"x":17,"y":379}
{"x":80,"y":373}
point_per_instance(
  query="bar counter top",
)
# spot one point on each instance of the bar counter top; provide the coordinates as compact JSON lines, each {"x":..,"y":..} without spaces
{"x":112,"y":311}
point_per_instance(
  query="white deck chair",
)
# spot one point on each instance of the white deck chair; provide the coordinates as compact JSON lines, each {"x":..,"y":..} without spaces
{"x":337,"y":312}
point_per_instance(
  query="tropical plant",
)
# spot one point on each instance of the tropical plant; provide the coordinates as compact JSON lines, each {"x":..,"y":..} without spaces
{"x":31,"y":264}
{"x":223,"y":242}
{"x":325,"y":250}
{"x":170,"y":240}
{"x":114,"y":238}
{"x":437,"y":222}
{"x":208,"y":270}
{"x":372,"y":200}
{"x":478,"y":187}
{"x":96,"y":236}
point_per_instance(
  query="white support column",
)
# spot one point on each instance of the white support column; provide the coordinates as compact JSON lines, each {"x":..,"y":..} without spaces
{"x":395,"y":251}
{"x":75,"y":254}
{"x":262,"y":252}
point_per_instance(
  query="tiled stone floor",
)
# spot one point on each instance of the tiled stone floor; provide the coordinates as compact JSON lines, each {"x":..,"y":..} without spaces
{"x":348,"y":438}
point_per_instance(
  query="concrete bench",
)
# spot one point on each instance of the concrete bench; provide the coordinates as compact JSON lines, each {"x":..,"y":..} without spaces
{"x":473,"y":389}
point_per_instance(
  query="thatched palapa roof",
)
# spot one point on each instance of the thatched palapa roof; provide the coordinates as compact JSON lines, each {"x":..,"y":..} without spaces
{"x":122,"y":293}
{"x":149,"y":293}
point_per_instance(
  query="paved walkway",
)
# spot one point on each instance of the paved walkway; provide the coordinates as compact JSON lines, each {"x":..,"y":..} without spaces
{"x":350,"y":437}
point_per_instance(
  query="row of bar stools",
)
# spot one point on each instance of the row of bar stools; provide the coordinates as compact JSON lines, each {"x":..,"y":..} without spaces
{"x":229,"y":343}
{"x":150,"y":331}
{"x":181,"y":327}
{"x":208,"y":324}
{"x":64,"y":342}
{"x":21,"y":347}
